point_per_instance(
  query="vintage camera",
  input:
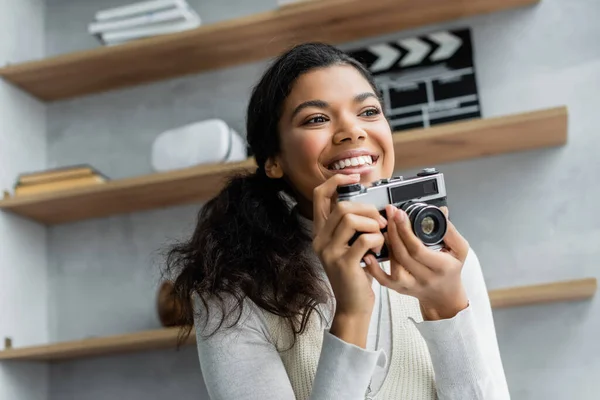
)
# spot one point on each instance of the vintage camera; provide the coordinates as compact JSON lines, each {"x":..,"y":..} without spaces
{"x":419,"y":196}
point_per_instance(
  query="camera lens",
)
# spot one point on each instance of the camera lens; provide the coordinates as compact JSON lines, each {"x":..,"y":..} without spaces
{"x":428,"y":222}
{"x":428,"y":225}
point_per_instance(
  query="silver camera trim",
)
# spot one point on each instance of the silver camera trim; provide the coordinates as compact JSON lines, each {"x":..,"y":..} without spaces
{"x":381,"y":194}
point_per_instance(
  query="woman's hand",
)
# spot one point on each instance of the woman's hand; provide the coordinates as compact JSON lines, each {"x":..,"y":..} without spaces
{"x":335,"y":224}
{"x":433,"y":277}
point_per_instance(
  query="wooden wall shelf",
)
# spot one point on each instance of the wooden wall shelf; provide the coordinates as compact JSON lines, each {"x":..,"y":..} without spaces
{"x":481,"y":137}
{"x":573,"y":290}
{"x":127,"y":343}
{"x":234,"y":42}
{"x":167,"y":338}
{"x":420,"y":147}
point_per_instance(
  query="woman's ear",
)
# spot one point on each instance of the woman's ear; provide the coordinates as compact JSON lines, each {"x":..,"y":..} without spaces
{"x":273,"y":168}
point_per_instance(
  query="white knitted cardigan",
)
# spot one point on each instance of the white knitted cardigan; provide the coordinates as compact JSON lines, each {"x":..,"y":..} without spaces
{"x":410,"y":376}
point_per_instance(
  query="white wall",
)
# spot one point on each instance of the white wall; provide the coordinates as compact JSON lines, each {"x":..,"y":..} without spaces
{"x":23,"y":261}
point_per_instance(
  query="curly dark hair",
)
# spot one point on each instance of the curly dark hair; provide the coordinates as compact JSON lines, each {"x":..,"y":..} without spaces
{"x":247,"y":242}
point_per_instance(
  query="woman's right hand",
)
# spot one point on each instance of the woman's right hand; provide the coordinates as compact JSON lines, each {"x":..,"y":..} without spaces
{"x":334,"y":225}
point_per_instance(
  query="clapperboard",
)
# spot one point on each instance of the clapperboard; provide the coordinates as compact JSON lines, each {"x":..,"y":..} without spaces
{"x":425,"y":80}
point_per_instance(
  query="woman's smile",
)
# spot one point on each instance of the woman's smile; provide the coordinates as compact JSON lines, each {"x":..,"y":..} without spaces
{"x":358,"y":161}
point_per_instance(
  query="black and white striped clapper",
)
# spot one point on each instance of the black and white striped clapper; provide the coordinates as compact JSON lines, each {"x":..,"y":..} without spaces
{"x":441,"y":47}
{"x":425,"y":80}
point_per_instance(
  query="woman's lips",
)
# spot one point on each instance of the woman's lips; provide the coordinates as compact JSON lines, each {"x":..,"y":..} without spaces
{"x":358,"y":169}
{"x":361,"y":169}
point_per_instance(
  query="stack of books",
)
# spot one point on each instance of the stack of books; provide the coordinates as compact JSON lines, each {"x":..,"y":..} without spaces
{"x":142,"y":20}
{"x":286,"y":3}
{"x":57,"y":179}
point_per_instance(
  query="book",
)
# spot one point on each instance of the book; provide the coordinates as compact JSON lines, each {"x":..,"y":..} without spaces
{"x":292,"y":3}
{"x":136,"y":8}
{"x":58,"y":185}
{"x":146,"y":19}
{"x":145,"y":32}
{"x":57,"y":174}
{"x":190,"y":21}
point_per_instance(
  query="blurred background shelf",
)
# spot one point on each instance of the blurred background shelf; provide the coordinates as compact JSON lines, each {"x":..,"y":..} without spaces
{"x":167,"y":338}
{"x":573,"y":290}
{"x":127,"y":343}
{"x":415,"y":148}
{"x":481,"y":137}
{"x":125,"y":195}
{"x":233,"y":42}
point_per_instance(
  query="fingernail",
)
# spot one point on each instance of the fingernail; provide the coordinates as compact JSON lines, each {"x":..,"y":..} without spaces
{"x":400,"y":215}
{"x":354,"y":176}
{"x":367,"y":260}
{"x":382,"y":220}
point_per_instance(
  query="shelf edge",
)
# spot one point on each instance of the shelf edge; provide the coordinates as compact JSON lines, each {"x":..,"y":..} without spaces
{"x":551,"y":292}
{"x":571,"y":290}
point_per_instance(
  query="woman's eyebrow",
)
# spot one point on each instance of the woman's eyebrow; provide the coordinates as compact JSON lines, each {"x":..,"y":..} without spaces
{"x":310,"y":103}
{"x":359,"y":98}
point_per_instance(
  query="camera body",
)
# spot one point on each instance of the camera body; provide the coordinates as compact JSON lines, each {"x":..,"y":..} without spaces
{"x":420,"y":196}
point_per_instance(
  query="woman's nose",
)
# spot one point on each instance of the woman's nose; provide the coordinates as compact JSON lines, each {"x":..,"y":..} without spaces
{"x":349,"y":133}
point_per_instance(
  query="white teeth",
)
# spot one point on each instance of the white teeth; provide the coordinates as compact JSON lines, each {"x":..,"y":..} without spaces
{"x":353,"y":161}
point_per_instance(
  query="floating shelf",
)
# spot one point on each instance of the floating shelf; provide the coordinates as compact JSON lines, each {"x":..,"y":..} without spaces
{"x":545,"y":293}
{"x":125,"y":195}
{"x":420,"y":147}
{"x":167,"y":338}
{"x":132,"y":342}
{"x":480,"y":138}
{"x":234,"y":42}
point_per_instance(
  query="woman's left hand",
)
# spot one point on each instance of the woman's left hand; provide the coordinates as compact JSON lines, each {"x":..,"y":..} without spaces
{"x":433,"y":277}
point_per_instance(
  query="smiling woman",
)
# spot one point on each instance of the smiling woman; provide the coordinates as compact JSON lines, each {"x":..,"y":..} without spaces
{"x":281,"y":305}
{"x":331,"y":115}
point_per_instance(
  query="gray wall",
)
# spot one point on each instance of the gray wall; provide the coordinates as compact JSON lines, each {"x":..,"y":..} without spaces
{"x":525,"y":214}
{"x":23,"y":261}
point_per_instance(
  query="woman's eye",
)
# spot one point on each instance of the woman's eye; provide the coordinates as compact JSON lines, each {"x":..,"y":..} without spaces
{"x":319,"y":119}
{"x":371,"y":112}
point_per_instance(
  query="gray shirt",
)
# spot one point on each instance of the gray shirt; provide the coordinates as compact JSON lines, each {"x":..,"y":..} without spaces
{"x":243,"y":363}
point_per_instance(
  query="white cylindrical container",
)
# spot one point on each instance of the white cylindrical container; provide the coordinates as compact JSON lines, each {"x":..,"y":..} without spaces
{"x":205,"y":142}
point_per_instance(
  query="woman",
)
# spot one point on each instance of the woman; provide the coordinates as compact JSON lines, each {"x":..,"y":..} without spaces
{"x":283,"y":308}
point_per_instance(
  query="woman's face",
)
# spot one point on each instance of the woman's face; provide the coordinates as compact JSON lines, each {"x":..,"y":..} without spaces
{"x":332,"y":123}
